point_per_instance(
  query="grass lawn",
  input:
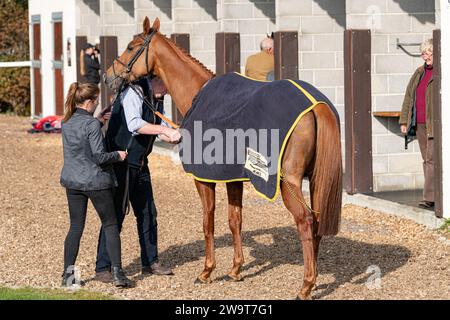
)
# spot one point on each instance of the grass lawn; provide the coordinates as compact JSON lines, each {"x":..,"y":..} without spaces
{"x":445,"y":228}
{"x":51,"y":294}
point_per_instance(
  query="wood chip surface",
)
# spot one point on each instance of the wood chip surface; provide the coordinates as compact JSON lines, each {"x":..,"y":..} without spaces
{"x":412,"y":262}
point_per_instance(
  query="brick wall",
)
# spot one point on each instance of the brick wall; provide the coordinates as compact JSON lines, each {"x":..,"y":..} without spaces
{"x":118,"y":19}
{"x":154,"y":9}
{"x":253,"y":19}
{"x":320,"y":24}
{"x":88,"y":19}
{"x":409,"y":22}
{"x":199,"y":19}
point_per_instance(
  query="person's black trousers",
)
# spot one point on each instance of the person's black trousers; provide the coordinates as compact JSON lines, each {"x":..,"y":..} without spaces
{"x":141,"y":199}
{"x":104,"y":205}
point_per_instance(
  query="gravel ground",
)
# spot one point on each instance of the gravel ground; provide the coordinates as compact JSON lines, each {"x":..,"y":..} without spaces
{"x":412,"y":260}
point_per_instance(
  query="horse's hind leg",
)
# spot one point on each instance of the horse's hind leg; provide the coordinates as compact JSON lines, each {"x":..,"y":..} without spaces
{"x":296,"y":160}
{"x":317,"y":239}
{"x":234,"y":191}
{"x":207,"y":192}
{"x":304,"y":221}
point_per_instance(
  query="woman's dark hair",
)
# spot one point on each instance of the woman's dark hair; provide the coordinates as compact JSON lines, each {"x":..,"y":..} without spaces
{"x":77,"y":95}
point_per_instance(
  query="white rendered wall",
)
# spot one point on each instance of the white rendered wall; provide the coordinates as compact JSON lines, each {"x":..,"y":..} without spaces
{"x":45,"y":8}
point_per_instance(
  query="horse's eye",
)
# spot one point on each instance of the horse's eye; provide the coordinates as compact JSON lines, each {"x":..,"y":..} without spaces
{"x":130,"y":48}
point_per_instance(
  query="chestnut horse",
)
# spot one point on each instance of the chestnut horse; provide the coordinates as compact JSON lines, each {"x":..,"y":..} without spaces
{"x":313,"y":151}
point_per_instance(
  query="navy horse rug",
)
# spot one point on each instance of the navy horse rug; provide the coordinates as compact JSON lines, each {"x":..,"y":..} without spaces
{"x":238,"y":128}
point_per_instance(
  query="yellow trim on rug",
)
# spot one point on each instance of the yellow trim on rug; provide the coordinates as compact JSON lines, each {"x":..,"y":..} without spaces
{"x":283,"y":146}
{"x":216,"y":181}
{"x":306,"y":93}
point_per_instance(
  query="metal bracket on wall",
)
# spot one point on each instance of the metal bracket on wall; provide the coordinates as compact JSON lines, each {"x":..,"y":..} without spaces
{"x":402,"y":45}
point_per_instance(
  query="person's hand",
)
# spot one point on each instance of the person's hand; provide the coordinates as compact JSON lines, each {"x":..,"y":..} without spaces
{"x":107,"y":116}
{"x":122,"y":155}
{"x":403,"y":128}
{"x":103,"y":117}
{"x":170,"y":135}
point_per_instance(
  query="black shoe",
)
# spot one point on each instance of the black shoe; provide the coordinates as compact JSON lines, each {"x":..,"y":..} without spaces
{"x":119,"y":279}
{"x":66,"y":280}
{"x":157,"y":269}
{"x":426,"y":205}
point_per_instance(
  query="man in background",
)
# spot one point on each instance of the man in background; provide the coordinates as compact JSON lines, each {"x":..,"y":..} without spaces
{"x":260,"y":66}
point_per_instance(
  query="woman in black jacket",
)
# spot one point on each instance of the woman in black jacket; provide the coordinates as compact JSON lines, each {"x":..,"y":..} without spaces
{"x":87,"y":174}
{"x":89,"y":64}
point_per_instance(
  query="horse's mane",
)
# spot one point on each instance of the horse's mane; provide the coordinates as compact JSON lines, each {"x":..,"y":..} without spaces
{"x":185,"y":54}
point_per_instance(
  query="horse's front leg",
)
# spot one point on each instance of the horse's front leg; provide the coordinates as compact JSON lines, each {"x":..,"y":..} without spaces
{"x":207,"y":192}
{"x":234,"y":191}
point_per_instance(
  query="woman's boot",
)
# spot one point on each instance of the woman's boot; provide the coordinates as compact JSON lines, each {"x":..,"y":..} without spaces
{"x":69,"y":280}
{"x":119,"y":278}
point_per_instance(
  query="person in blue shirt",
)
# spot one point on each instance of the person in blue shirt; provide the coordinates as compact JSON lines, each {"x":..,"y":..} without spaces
{"x":87,"y":174}
{"x":133,"y":126}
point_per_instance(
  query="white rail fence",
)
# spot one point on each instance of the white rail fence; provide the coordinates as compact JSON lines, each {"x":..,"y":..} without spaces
{"x":15,"y":64}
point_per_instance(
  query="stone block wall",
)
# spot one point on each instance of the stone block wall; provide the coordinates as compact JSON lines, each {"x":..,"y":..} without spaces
{"x":88,"y":20}
{"x":118,"y":19}
{"x":320,"y":24}
{"x":390,"y":21}
{"x":253,"y":19}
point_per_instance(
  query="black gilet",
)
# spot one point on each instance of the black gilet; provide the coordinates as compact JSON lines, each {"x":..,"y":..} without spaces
{"x":118,"y":137}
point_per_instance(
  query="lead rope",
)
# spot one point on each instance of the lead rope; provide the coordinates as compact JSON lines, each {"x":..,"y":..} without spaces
{"x":291,"y":191}
{"x":126,"y":196}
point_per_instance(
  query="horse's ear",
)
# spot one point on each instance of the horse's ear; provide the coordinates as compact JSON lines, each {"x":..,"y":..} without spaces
{"x":146,"y":25}
{"x":156,"y":24}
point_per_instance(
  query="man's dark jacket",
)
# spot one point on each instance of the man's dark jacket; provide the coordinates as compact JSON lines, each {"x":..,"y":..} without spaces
{"x":118,"y":137}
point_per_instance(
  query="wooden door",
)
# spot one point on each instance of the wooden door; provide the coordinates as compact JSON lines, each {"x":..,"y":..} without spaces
{"x":79,"y":45}
{"x":228,"y":52}
{"x":36,"y":64}
{"x":358,"y":112}
{"x":286,"y":55}
{"x":108,"y":52}
{"x":58,"y":63}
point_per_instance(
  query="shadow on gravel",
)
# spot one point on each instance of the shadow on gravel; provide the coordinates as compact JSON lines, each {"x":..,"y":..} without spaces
{"x":343,"y":258}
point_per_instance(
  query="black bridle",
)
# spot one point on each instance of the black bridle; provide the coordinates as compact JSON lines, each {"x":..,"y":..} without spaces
{"x":145,"y":46}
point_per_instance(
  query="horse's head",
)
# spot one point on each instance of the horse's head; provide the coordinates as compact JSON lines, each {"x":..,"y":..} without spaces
{"x":136,"y":61}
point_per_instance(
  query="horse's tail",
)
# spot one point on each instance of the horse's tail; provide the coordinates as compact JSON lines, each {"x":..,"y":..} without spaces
{"x":82,"y":67}
{"x":326,"y":179}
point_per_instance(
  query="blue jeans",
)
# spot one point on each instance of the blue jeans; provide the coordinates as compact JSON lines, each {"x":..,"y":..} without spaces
{"x":141,"y":199}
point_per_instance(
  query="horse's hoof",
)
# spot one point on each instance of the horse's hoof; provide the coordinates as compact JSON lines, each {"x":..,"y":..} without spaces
{"x":201,"y":281}
{"x":233,"y":278}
